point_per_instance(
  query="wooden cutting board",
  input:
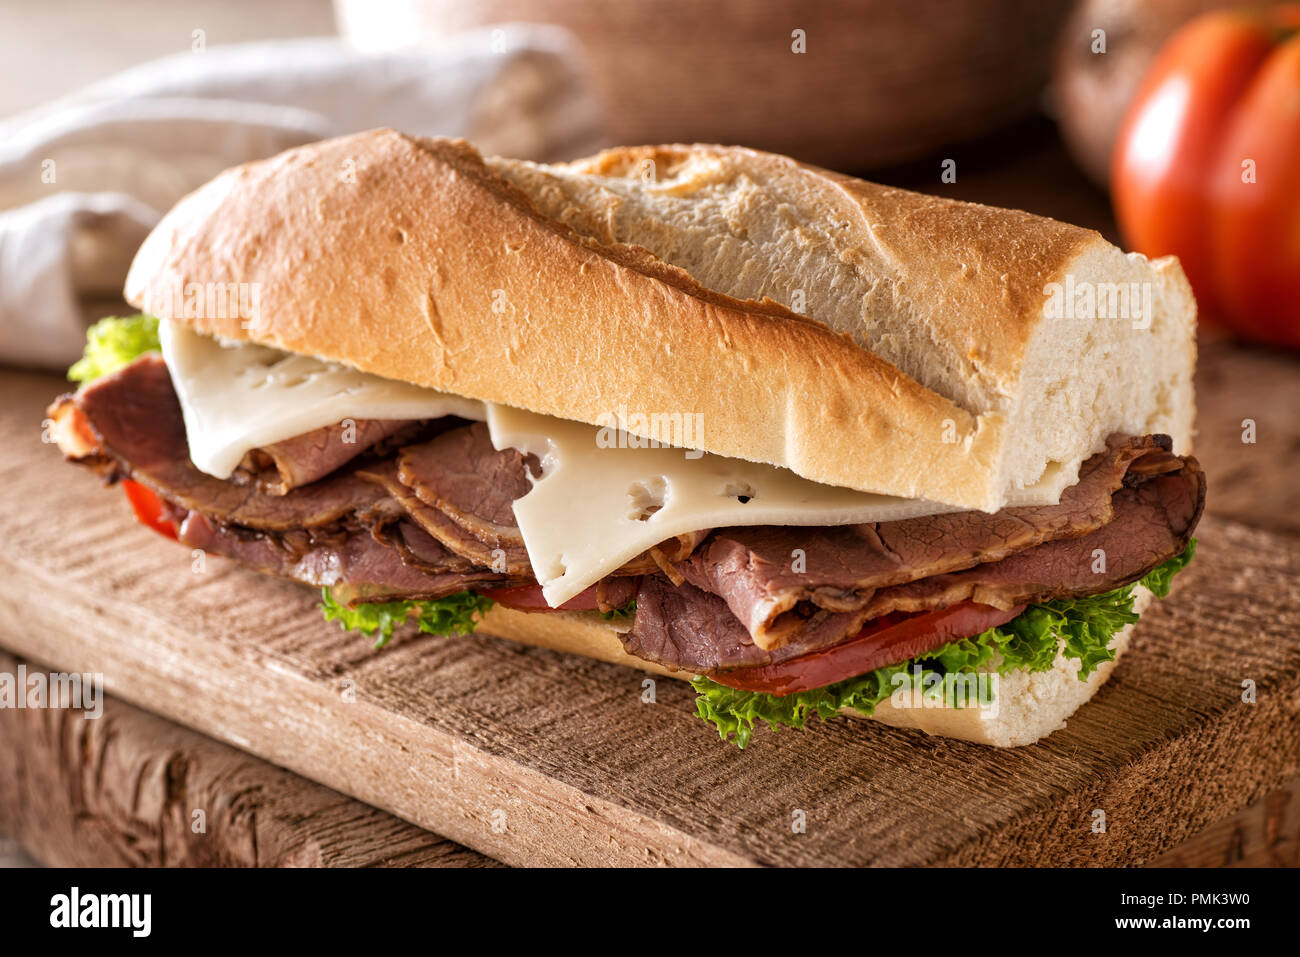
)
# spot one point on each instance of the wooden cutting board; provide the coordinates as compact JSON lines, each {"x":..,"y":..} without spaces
{"x":537,"y":758}
{"x":124,"y":788}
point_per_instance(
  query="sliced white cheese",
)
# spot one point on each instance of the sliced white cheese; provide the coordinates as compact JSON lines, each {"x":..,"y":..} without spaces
{"x":1056,"y":478}
{"x":239,"y":396}
{"x":595,"y":508}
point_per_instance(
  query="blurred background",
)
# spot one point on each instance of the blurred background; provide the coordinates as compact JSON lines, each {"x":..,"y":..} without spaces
{"x":1172,"y":126}
{"x":1012,"y":102}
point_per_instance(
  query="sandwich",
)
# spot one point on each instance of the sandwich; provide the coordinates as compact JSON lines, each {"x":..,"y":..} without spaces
{"x":819,"y":446}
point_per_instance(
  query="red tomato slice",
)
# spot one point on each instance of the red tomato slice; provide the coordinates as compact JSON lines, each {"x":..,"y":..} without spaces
{"x":149,"y":509}
{"x":885,"y":641}
{"x":529,"y":598}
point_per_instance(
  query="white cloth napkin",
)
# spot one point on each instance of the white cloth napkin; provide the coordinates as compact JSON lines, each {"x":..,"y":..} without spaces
{"x":84,"y":179}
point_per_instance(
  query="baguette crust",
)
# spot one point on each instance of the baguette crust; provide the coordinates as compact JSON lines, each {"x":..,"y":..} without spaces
{"x":533,"y":286}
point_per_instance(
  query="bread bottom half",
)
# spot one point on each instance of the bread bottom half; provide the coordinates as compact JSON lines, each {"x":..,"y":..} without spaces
{"x":1030,"y":705}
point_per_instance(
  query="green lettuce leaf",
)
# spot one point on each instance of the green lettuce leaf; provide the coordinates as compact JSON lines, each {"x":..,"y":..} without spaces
{"x":115,"y":342}
{"x":627,"y":611}
{"x":1030,"y":640}
{"x":457,"y":614}
{"x":1158,"y":580}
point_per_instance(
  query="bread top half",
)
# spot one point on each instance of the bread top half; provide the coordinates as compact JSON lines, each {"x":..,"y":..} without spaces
{"x":857,"y":334}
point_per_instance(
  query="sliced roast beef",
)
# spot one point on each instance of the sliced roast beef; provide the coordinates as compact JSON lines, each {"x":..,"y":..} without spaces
{"x":472,"y":483}
{"x":343,"y":530}
{"x":666,"y":557}
{"x":774,"y":577}
{"x":419,"y":549}
{"x":136,"y":417}
{"x":691,"y":629}
{"x":422,"y":551}
{"x":685,"y":628}
{"x":437,"y":517}
{"x":614,"y":593}
{"x":303,"y":459}
{"x":358,"y":568}
{"x":507,"y":556}
{"x":1153,"y":522}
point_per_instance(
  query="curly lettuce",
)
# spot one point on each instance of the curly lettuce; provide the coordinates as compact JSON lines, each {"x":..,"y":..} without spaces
{"x":457,"y":614}
{"x":1030,"y":640}
{"x":115,"y":342}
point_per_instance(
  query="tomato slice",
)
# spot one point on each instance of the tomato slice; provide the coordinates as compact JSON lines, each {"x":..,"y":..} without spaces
{"x":885,"y":641}
{"x":149,"y":509}
{"x":530,"y":598}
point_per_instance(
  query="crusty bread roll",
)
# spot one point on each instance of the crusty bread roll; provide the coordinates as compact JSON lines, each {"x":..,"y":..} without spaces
{"x":1029,"y":705}
{"x":919,"y":360}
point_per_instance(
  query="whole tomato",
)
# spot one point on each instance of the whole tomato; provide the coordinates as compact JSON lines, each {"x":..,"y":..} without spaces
{"x":1207,"y":167}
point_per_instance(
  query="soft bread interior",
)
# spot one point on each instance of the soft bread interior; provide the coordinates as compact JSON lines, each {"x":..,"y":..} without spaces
{"x":1084,"y":380}
{"x":1030,"y":705}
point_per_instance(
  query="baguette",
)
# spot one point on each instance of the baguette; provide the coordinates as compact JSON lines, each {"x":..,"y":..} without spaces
{"x":922,"y":325}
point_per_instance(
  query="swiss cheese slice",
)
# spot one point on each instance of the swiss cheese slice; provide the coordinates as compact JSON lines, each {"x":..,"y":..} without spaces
{"x":239,"y":396}
{"x":597,"y":505}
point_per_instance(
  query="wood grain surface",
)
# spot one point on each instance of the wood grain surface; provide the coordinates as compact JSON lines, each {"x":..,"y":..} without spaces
{"x":12,"y":854}
{"x":125,"y":788}
{"x":533,"y":757}
{"x":1265,"y":834}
